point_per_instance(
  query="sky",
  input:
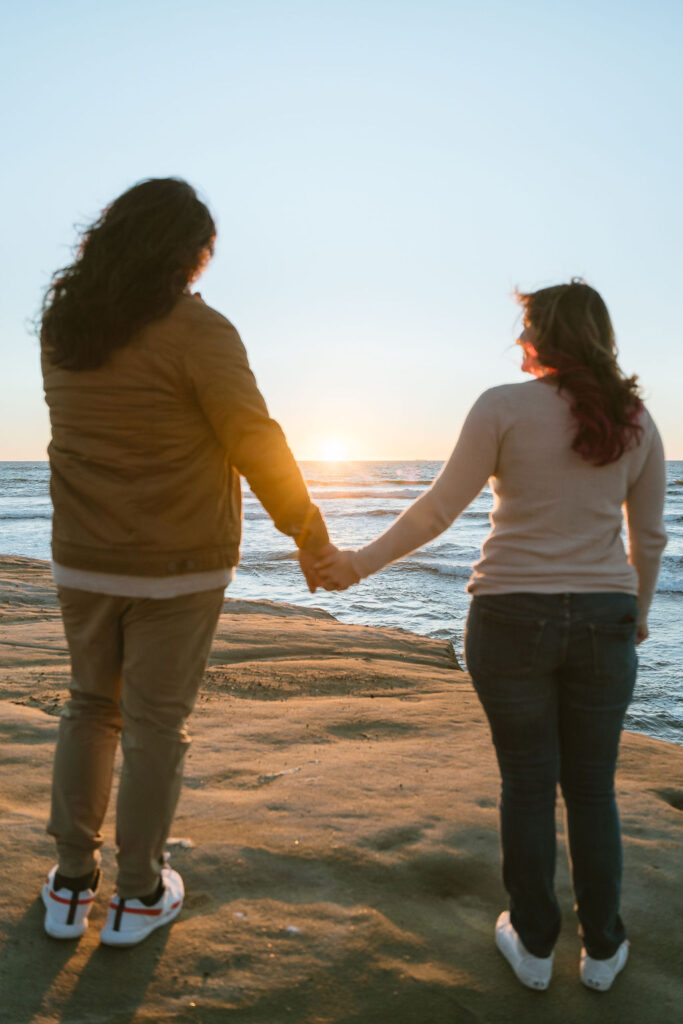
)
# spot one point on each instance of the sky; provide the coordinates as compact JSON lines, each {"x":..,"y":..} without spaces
{"x":383,"y":174}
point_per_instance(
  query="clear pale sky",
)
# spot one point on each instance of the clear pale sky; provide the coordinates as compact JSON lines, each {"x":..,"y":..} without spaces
{"x":382,"y":173}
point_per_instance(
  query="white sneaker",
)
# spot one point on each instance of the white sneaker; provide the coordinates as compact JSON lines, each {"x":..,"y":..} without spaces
{"x":533,"y":971}
{"x":66,"y":910}
{"x":131,"y":921}
{"x":599,"y":974}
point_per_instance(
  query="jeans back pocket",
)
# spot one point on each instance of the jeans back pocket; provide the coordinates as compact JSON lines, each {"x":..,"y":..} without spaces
{"x":502,"y":644}
{"x":613,"y":650}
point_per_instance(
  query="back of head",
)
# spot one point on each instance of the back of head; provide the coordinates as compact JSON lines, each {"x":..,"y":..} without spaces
{"x":575,"y":343}
{"x":132,"y":265}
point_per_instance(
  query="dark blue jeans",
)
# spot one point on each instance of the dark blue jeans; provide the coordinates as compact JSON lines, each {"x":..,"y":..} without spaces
{"x":555,"y":674}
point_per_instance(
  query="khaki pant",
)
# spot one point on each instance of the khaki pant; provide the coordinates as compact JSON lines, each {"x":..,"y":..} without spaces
{"x":136,"y":667}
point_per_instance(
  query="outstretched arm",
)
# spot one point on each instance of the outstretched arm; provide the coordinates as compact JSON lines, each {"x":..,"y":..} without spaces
{"x":471,"y":463}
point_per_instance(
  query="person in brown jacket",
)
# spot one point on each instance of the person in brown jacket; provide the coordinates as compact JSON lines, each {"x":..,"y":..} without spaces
{"x":155,"y":415}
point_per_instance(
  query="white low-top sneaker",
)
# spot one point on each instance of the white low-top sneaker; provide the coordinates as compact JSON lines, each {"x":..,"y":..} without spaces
{"x":533,"y":971}
{"x":67,"y":909}
{"x":599,"y":974}
{"x":131,"y":921}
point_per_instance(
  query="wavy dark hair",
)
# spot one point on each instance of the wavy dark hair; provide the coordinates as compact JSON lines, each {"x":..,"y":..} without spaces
{"x":130,"y":268}
{"x":575,"y":342}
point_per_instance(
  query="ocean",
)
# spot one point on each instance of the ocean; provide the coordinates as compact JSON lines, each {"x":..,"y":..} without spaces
{"x":424,"y":593}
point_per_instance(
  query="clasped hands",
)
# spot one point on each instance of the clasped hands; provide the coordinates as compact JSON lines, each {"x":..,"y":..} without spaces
{"x":328,"y":568}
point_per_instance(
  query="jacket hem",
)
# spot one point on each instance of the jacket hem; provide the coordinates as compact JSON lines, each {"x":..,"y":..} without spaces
{"x":145,"y":563}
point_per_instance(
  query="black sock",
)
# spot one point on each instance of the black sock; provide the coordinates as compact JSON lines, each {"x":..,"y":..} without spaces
{"x":154,"y":897}
{"x":89,"y":881}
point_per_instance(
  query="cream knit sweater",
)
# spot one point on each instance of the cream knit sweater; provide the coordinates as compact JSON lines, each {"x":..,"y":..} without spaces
{"x":556,"y":524}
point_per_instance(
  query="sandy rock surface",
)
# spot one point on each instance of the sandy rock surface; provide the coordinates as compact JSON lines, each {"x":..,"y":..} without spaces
{"x":337,"y":836}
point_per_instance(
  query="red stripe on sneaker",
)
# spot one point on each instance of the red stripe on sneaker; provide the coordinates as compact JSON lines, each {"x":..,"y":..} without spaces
{"x":135,"y":910}
{"x":60,"y":899}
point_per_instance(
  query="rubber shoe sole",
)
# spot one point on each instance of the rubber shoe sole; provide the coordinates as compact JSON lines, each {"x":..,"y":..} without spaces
{"x":600,"y":974}
{"x":534,"y":972}
{"x":66,"y":912}
{"x":130,"y":921}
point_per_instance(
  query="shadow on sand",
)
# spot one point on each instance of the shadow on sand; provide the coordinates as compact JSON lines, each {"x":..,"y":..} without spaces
{"x":75,"y":980}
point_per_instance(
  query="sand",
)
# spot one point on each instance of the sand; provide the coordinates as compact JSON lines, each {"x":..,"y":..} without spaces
{"x":337,"y":836}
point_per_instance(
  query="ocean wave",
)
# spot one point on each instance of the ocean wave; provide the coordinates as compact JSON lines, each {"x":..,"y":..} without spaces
{"x":361,"y":513}
{"x":670,"y":581}
{"x":277,"y":556}
{"x":343,"y":495}
{"x":26,"y":515}
{"x":270,"y":562}
{"x":370,"y":513}
{"x":369,"y":482}
{"x":347,"y":494}
{"x":258,"y":513}
{"x":433,"y":568}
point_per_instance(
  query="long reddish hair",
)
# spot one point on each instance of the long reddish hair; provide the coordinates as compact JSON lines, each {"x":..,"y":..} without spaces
{"x":575,"y":342}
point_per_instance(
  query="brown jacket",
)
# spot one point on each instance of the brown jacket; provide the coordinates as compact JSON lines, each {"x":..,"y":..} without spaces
{"x":147,"y":450}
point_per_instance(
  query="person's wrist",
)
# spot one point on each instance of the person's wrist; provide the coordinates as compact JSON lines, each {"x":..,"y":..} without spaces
{"x":313,"y":536}
{"x":355,"y":567}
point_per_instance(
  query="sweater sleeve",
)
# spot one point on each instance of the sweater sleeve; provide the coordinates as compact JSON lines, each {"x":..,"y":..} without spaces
{"x":644,"y":521}
{"x":471,"y":463}
{"x":225,"y":387}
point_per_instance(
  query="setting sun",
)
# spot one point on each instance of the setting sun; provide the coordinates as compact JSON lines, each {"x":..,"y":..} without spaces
{"x":333,"y":450}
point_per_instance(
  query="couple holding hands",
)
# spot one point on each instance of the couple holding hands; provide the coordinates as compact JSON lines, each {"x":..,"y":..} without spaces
{"x":155,"y":414}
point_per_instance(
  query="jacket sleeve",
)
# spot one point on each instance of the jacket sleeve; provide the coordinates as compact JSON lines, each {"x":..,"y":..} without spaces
{"x":219,"y":372}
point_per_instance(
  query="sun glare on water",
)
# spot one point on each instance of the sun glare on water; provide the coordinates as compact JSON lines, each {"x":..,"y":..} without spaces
{"x":333,"y":450}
